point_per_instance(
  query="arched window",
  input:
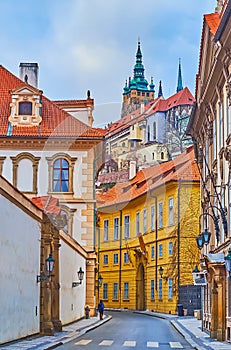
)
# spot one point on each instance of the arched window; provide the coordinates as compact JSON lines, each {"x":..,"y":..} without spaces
{"x":154,"y":131}
{"x":61,"y":175}
{"x":162,"y":155}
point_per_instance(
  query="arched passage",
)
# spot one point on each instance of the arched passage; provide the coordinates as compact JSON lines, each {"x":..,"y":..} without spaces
{"x":140,"y":288}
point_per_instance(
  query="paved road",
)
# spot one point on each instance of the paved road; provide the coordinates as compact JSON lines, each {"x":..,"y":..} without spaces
{"x":129,"y":330}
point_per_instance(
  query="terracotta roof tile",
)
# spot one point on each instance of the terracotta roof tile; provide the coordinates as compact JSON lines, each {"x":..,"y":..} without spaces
{"x":55,"y":121}
{"x":182,"y":167}
{"x":48,"y":204}
{"x":213,"y":21}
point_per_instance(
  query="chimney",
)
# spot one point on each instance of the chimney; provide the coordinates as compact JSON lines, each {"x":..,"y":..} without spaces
{"x":28,"y":72}
{"x":132,"y":169}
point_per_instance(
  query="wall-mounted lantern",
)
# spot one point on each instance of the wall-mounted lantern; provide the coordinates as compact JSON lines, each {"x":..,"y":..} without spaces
{"x":161,"y":271}
{"x":80,"y":276}
{"x":228,"y":262}
{"x":50,"y":262}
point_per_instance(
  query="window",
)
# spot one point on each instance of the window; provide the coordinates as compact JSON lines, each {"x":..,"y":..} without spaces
{"x":145,"y":158}
{"x":170,"y":288}
{"x":115,"y":290}
{"x":214,"y":139}
{"x":160,"y":289}
{"x":221,"y":125}
{"x":25,"y":108}
{"x":162,"y":155}
{"x":160,"y":250}
{"x":170,"y":249}
{"x":105,"y":291}
{"x":152,"y":252}
{"x":116,"y":228}
{"x":170,"y":211}
{"x":126,"y":258}
{"x":137,"y":223}
{"x":145,"y":220}
{"x":152,"y":289}
{"x":65,"y":213}
{"x":126,"y":290}
{"x":154,"y":131}
{"x":60,"y":175}
{"x":116,"y":258}
{"x":148,"y":133}
{"x":228,"y":116}
{"x":153,"y":155}
{"x":152,"y":218}
{"x":105,"y":259}
{"x":105,"y":230}
{"x":160,"y":215}
{"x":126,"y":226}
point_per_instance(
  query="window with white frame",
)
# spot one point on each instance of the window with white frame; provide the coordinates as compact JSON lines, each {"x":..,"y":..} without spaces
{"x":115,"y":290}
{"x":214,"y":139}
{"x":160,"y":291}
{"x":145,"y":220}
{"x":152,"y":218}
{"x":170,"y":211}
{"x":105,"y":230}
{"x":126,"y":258}
{"x":126,"y":226}
{"x":170,"y":248}
{"x":116,"y":228}
{"x":126,"y":290}
{"x":221,"y":125}
{"x":105,"y":291}
{"x":170,"y":288}
{"x":160,"y":215}
{"x":160,"y":250}
{"x":152,"y":290}
{"x":137,"y":223}
{"x":105,"y":259}
{"x":116,"y":258}
{"x":152,"y":252}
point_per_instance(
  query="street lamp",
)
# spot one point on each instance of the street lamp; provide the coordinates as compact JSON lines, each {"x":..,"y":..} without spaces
{"x":80,"y":276}
{"x":228,"y":262}
{"x":161,"y":271}
{"x":50,"y":262}
{"x":204,"y":237}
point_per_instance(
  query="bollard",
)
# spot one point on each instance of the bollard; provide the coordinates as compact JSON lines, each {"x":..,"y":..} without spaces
{"x":87,"y":312}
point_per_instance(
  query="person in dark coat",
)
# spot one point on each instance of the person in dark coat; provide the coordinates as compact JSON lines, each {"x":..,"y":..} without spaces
{"x":101,"y":309}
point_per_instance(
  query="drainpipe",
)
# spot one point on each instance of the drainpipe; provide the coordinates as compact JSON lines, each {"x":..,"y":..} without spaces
{"x":156,"y":241}
{"x":178,"y":239}
{"x":120,"y":264}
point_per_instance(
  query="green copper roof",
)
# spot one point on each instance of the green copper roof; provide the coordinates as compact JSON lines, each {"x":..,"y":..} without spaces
{"x":179,"y":81}
{"x":138,"y":82}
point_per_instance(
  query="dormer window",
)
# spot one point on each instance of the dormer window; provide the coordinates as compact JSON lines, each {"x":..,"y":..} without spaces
{"x":25,"y":108}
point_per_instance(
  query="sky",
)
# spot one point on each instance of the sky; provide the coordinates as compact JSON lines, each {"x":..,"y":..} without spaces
{"x":91,"y":45}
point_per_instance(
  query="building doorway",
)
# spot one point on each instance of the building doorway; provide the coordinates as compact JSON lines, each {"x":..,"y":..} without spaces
{"x":140,"y":288}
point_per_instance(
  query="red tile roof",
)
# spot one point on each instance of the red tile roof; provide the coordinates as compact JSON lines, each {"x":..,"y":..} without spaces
{"x":183,"y":167}
{"x":48,"y":204}
{"x":55,"y":121}
{"x":183,"y":97}
{"x":74,"y":103}
{"x":213,"y":21}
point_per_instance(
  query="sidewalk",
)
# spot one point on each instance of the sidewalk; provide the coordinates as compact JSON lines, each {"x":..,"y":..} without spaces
{"x":68,"y":333}
{"x":188,"y":326}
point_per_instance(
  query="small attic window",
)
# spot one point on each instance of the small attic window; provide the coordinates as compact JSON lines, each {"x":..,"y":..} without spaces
{"x":25,"y":108}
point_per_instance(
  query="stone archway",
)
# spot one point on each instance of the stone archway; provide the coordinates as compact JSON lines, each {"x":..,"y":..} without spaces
{"x":140,"y":288}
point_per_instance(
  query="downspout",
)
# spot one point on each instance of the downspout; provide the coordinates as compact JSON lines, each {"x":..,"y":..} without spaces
{"x":120,"y":264}
{"x":178,"y":240}
{"x":156,"y":248}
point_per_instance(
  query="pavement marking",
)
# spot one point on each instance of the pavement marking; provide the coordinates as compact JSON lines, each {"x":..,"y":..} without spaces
{"x":175,"y":345}
{"x":129,"y":343}
{"x":152,"y":344}
{"x":83,"y":342}
{"x":106,"y":342}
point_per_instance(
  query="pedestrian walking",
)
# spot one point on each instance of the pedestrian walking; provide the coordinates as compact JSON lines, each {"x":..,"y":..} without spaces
{"x":101,"y":309}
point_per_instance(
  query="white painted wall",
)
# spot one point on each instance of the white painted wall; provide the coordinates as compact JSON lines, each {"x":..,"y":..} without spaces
{"x":159,"y":118}
{"x":20,"y":261}
{"x":72,"y":301}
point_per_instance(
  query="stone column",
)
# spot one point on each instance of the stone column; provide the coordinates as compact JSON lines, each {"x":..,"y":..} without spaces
{"x":214,"y":303}
{"x":221,"y":307}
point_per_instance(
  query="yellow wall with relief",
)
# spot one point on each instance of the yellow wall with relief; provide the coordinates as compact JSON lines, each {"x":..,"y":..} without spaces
{"x":130,"y":265}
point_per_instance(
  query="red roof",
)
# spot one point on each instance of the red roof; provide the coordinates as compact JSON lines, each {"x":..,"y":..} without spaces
{"x":213,"y":21}
{"x":48,"y":204}
{"x":183,"y":167}
{"x":55,"y":121}
{"x":183,"y":97}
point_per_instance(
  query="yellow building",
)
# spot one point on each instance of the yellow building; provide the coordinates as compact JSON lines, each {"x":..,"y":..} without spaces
{"x":145,"y":236}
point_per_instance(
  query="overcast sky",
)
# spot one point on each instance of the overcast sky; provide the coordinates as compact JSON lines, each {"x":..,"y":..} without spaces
{"x":91,"y":44}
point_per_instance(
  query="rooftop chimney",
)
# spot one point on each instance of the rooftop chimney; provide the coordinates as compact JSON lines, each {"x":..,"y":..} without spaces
{"x":28,"y":72}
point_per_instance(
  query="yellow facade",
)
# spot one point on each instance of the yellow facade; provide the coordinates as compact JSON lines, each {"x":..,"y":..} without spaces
{"x":172,"y":247}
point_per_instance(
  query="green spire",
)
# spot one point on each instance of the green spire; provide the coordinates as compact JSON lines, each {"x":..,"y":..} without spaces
{"x":138,"y":78}
{"x":151,"y":85}
{"x":179,"y":81}
{"x":160,"y":92}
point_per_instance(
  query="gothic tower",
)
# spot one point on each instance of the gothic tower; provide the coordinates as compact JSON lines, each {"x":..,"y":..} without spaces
{"x":136,"y":90}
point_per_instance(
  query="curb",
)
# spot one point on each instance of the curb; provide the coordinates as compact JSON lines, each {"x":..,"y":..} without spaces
{"x":77,"y":334}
